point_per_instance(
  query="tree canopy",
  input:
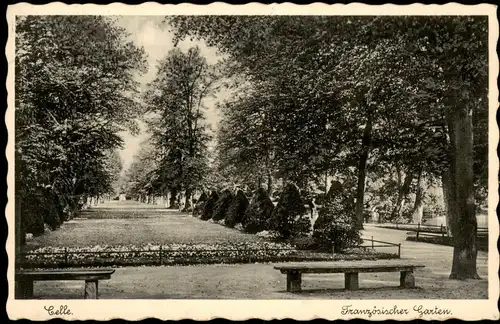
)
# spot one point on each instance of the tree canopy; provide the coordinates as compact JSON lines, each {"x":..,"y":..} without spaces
{"x":341,"y":94}
{"x":74,"y":93}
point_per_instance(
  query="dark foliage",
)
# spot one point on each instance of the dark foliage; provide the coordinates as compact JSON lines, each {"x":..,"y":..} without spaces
{"x":258,"y":212}
{"x":203,"y":197}
{"x":289,"y":217}
{"x":236,"y":210}
{"x":222,"y":205}
{"x":304,"y":243}
{"x":31,"y":208}
{"x":320,"y":199}
{"x":335,"y":189}
{"x":208,"y":207}
{"x":199,"y":204}
{"x":335,"y":227}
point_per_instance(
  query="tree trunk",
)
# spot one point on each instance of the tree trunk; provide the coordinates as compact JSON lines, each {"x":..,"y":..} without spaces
{"x":402,"y":194}
{"x":461,"y":207}
{"x":445,"y":179}
{"x":19,"y":235}
{"x":173,"y":199}
{"x":304,"y":181}
{"x":269,"y":183}
{"x":187,"y":199}
{"x":360,"y":191}
{"x":164,"y":195}
{"x":259,"y":182}
{"x":418,"y":200}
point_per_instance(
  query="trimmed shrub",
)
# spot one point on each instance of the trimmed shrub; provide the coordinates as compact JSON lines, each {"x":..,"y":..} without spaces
{"x":32,"y":215}
{"x":320,"y":199}
{"x":203,"y":197}
{"x":258,"y":212}
{"x":236,"y":210}
{"x":187,"y":209}
{"x":335,"y":227}
{"x":198,"y":206}
{"x":222,"y":205}
{"x":289,"y":217}
{"x":335,"y":189}
{"x":304,"y":243}
{"x":208,"y":207}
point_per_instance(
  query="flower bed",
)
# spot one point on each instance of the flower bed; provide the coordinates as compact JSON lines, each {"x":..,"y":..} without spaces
{"x":183,"y":254}
{"x":152,"y":254}
{"x":359,"y":254}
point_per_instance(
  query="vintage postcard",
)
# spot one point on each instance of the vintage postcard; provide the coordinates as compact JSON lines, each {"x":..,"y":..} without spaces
{"x":252,"y":161}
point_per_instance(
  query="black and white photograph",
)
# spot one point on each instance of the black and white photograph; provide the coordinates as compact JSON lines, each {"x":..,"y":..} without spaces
{"x":269,"y":154}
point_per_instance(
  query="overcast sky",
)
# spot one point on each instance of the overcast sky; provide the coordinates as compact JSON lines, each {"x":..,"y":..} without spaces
{"x":148,"y":32}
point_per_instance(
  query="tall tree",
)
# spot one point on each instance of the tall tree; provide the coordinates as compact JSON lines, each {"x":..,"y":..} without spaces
{"x":74,"y":93}
{"x":141,"y":180}
{"x":458,"y":49}
{"x":176,"y":99}
{"x":244,"y":141}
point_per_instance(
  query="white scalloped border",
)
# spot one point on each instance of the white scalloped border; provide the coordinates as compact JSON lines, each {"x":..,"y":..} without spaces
{"x":263,"y":309}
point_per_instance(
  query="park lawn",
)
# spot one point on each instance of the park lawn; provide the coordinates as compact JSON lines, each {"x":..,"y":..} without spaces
{"x":260,"y":281}
{"x":114,"y":227}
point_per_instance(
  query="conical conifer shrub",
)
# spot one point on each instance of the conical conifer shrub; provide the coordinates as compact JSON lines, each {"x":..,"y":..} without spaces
{"x":200,"y":203}
{"x":222,"y":205}
{"x":236,"y":210}
{"x":203,"y":197}
{"x":208,"y":207}
{"x":258,"y":212}
{"x":289,"y":217}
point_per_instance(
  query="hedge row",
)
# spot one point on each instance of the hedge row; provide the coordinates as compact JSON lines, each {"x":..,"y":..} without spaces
{"x":334,"y":228}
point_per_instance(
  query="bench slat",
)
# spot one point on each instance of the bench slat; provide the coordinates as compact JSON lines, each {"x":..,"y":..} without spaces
{"x":347,"y":267}
{"x":348,"y":270}
{"x":351,"y":270}
{"x":93,"y":274}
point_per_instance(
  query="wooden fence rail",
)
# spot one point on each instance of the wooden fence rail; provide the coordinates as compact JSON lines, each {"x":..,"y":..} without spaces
{"x":443,"y":232}
{"x":386,"y":244}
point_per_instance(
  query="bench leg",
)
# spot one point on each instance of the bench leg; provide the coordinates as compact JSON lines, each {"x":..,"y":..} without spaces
{"x":293,"y":281}
{"x":91,"y":289}
{"x":24,"y":289}
{"x":407,"y":280}
{"x":351,"y":281}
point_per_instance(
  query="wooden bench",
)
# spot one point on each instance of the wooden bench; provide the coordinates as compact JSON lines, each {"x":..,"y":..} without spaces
{"x":25,"y":278}
{"x":350,"y":269}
